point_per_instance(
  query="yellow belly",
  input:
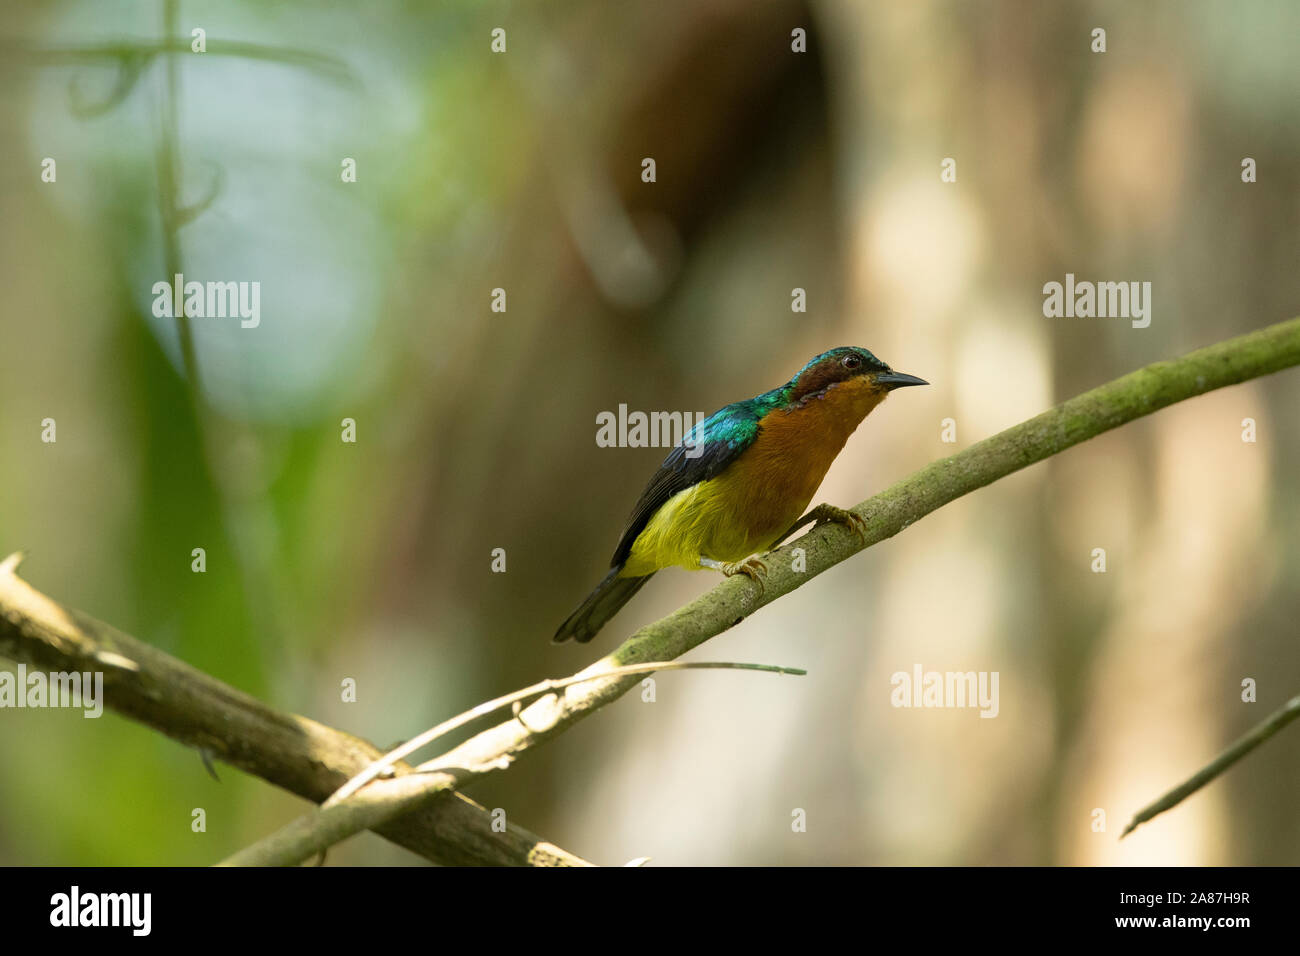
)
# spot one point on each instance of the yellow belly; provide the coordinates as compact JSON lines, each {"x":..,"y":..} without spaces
{"x":757,"y":498}
{"x":718,"y":519}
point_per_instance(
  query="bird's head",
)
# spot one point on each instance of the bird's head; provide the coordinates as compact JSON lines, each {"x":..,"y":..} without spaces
{"x":852,"y":365}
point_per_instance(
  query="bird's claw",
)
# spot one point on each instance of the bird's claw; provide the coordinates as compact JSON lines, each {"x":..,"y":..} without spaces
{"x":826,"y":514}
{"x":753,"y":568}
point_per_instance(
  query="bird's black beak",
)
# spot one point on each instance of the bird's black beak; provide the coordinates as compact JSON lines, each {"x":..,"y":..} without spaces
{"x":892,"y":380}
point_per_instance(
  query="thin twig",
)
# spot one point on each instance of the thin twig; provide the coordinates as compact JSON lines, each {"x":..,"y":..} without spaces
{"x":1252,"y":739}
{"x":146,"y":50}
{"x":358,"y":807}
{"x":170,"y":179}
{"x":541,"y":688}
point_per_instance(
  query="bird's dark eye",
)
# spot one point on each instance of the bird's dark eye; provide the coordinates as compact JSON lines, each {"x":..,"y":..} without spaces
{"x":851,"y":362}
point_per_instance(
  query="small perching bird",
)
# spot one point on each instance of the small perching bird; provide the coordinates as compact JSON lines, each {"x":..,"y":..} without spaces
{"x":739,"y":481}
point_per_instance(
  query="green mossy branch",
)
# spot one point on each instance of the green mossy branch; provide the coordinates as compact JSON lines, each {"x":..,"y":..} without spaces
{"x":1116,"y":403}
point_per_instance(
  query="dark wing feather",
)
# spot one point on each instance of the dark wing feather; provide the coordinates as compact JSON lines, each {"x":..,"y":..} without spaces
{"x":715,"y":443}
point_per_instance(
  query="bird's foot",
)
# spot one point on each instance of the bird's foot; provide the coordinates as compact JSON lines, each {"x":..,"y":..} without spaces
{"x":753,"y":568}
{"x":826,"y":514}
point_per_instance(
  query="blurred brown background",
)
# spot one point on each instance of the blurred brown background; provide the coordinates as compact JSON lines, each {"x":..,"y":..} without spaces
{"x":476,"y":429}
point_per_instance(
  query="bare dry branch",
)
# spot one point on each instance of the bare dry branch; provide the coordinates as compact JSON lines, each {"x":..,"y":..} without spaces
{"x":298,"y":754}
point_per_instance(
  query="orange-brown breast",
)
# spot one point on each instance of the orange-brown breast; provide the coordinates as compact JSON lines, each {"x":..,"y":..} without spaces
{"x":770,"y":486}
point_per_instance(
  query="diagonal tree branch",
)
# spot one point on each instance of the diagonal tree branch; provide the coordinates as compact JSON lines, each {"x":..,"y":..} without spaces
{"x":344,"y":814}
{"x":517,"y":698}
{"x":300,"y":755}
{"x":1085,"y":416}
{"x":1244,"y":745}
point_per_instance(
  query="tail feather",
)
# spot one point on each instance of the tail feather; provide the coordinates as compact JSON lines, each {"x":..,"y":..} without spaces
{"x":601,"y":604}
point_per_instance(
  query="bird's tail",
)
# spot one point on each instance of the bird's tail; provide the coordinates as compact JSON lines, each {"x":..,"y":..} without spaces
{"x":601,"y":604}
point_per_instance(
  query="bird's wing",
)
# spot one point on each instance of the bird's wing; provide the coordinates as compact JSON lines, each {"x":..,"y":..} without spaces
{"x":710,"y":447}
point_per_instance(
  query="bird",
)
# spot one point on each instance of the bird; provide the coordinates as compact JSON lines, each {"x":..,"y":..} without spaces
{"x":737,"y":483}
